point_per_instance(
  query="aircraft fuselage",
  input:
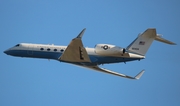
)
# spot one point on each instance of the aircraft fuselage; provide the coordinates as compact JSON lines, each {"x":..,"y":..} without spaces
{"x":54,"y":52}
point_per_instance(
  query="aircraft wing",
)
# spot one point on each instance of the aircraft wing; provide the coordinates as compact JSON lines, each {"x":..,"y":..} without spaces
{"x":138,"y":76}
{"x":75,"y":52}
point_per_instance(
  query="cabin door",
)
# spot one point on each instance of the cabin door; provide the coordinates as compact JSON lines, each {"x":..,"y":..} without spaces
{"x":30,"y":50}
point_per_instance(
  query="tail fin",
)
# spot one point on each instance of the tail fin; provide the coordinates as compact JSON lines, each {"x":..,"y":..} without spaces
{"x":142,"y":43}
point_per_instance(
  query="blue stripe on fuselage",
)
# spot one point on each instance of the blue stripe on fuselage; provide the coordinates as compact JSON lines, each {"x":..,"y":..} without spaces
{"x":35,"y":54}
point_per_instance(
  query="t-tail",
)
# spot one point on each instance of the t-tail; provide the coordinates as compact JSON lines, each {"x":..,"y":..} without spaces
{"x":142,"y":43}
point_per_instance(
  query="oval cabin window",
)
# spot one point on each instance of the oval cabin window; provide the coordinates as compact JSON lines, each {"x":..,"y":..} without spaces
{"x":55,"y":50}
{"x":48,"y":49}
{"x":61,"y":50}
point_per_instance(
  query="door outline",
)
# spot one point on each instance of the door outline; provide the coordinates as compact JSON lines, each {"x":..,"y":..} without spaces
{"x":30,"y":50}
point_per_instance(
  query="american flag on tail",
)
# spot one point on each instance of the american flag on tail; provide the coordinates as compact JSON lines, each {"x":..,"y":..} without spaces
{"x":141,"y":43}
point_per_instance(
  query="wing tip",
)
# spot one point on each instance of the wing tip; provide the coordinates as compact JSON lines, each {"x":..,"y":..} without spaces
{"x":138,"y":76}
{"x":81,"y":33}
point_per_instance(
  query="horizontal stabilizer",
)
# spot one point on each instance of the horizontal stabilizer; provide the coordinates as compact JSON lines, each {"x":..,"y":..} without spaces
{"x":158,"y":38}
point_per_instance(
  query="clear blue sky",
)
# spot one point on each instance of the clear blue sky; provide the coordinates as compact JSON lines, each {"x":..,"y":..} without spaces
{"x":39,"y":82}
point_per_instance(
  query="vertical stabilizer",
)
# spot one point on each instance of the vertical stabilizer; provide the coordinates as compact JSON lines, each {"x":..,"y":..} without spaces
{"x":142,"y":43}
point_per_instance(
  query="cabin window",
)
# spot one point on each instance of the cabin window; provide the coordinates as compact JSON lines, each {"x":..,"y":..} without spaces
{"x":48,"y":49}
{"x":42,"y":49}
{"x":55,"y":50}
{"x":61,"y":50}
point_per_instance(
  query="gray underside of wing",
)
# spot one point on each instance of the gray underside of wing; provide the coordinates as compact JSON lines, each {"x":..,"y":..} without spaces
{"x":138,"y":76}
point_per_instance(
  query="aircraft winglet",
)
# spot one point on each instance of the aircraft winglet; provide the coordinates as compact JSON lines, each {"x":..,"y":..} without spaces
{"x":138,"y":76}
{"x":81,"y":33}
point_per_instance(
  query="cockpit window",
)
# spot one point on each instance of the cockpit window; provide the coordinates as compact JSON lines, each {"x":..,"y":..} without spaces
{"x":17,"y":45}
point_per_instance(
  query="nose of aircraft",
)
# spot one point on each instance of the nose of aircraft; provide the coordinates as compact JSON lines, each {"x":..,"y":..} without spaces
{"x":6,"y":51}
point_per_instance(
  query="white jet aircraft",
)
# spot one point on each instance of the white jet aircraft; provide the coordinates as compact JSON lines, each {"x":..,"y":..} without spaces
{"x":75,"y":53}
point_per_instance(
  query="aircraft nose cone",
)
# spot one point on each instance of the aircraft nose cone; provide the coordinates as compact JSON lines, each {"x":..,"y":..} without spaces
{"x":6,"y":51}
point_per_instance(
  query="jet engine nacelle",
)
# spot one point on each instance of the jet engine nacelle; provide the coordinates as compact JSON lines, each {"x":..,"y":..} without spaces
{"x":107,"y":49}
